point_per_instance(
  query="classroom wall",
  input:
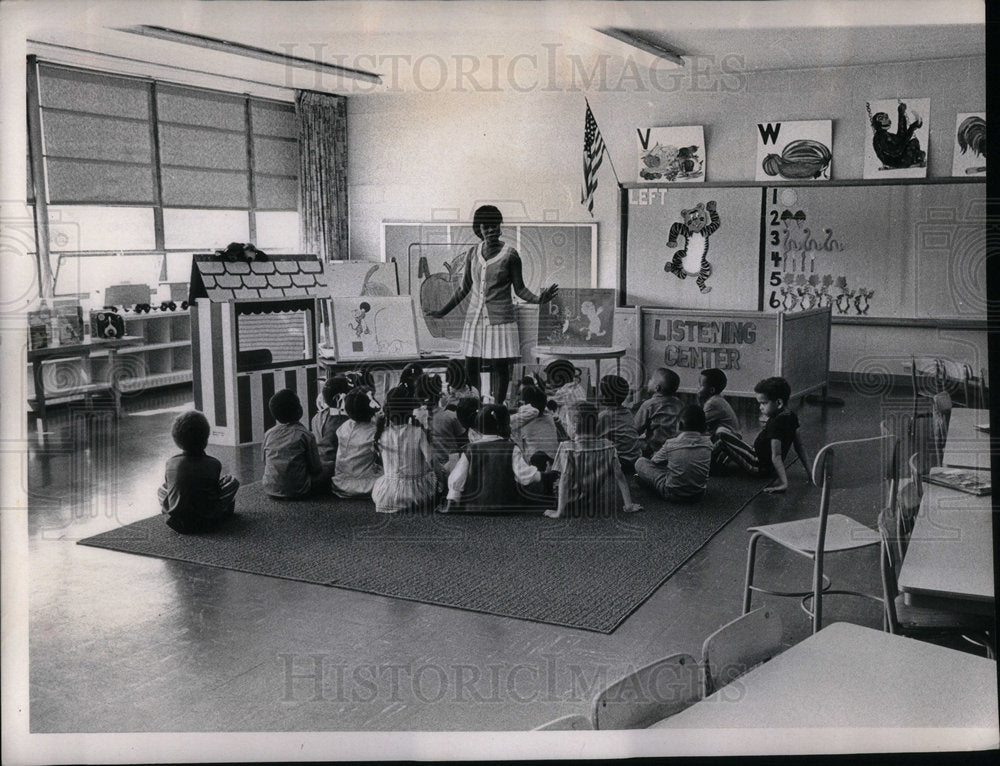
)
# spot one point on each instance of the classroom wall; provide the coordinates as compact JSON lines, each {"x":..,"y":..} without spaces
{"x":436,"y":155}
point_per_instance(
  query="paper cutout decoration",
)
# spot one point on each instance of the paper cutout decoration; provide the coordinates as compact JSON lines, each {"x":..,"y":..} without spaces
{"x":794,"y":151}
{"x":671,"y":155}
{"x":970,"y":145}
{"x":374,"y":327}
{"x":896,"y":139}
{"x":347,"y":279}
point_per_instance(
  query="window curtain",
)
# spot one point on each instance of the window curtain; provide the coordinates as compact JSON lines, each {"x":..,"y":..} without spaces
{"x":323,"y":173}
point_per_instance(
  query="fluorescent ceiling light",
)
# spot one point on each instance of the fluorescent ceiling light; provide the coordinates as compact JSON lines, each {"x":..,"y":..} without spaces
{"x":250,"y":51}
{"x":642,"y":43}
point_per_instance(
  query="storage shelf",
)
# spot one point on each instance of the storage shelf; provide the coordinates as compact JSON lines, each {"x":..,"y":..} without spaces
{"x":164,"y":360}
{"x":155,"y":381}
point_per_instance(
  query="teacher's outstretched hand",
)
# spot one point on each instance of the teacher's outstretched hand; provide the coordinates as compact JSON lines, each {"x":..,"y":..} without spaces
{"x":548,"y":293}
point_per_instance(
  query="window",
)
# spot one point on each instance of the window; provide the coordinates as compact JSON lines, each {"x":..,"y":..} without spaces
{"x":201,"y":163}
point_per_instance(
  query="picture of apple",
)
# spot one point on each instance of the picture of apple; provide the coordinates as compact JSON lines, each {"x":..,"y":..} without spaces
{"x":436,"y":290}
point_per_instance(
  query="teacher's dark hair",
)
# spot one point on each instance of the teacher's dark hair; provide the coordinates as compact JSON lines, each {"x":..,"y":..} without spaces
{"x":485,"y":214}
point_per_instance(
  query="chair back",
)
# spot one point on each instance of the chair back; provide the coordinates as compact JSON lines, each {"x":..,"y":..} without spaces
{"x":571,"y":722}
{"x":856,"y":463}
{"x":648,"y":695}
{"x":739,"y":646}
{"x":926,"y":375}
{"x":887,"y":567}
{"x":942,"y":406}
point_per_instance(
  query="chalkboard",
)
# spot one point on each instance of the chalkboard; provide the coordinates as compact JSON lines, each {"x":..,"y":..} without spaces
{"x":907,"y":250}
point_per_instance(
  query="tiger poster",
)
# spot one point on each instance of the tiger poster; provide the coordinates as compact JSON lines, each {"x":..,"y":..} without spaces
{"x":801,"y":150}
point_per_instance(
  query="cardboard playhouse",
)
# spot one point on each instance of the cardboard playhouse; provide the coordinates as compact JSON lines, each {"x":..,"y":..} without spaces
{"x":253,"y":332}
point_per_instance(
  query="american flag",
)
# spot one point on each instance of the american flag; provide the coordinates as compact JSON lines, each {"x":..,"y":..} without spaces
{"x":593,"y":153}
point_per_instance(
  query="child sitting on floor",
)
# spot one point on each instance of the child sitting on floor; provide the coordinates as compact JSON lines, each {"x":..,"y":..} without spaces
{"x":408,"y":480}
{"x":533,"y":428}
{"x":292,"y":466}
{"x":656,"y":418}
{"x":767,"y":455}
{"x":564,"y":386}
{"x":616,"y":424}
{"x":679,"y":469}
{"x":589,"y":472}
{"x":329,"y":418}
{"x":357,"y":465}
{"x":492,"y":475}
{"x":194,"y":495}
{"x":455,"y":385}
{"x":409,"y":376}
{"x":449,"y":434}
{"x":718,"y":412}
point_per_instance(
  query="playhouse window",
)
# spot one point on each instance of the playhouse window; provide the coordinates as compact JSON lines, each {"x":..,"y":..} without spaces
{"x":274,"y":334}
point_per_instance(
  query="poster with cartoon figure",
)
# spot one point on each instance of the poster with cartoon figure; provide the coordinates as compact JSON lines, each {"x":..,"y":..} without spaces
{"x":970,"y":145}
{"x":577,"y":317}
{"x":373,"y":327}
{"x":896,"y":139}
{"x":671,"y":155}
{"x":794,"y":150}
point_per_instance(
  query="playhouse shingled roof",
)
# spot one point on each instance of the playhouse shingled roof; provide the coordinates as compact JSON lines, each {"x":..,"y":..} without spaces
{"x":280,"y":276}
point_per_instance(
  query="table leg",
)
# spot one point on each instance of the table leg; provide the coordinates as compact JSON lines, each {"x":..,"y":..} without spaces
{"x":36,"y":374}
{"x":116,"y":397}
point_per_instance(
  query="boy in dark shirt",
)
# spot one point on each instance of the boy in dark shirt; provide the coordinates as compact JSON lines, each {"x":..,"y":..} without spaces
{"x":767,"y":455}
{"x":194,"y":495}
{"x":656,"y":419}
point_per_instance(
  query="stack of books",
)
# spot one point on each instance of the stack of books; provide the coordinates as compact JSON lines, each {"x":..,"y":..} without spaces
{"x":962,"y":479}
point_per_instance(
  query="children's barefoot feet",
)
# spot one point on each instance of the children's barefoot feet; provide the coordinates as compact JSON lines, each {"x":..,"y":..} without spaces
{"x":552,"y":513}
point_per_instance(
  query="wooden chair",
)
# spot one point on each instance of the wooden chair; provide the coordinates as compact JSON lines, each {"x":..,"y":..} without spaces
{"x":571,"y":722}
{"x":922,"y":622}
{"x":648,"y":695}
{"x":739,"y":646}
{"x":867,"y":463}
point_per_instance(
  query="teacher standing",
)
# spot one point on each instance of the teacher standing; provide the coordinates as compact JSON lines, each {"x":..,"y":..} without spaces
{"x":492,"y":268}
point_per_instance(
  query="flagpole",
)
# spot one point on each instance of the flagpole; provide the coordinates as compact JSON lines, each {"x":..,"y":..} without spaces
{"x":607,"y":154}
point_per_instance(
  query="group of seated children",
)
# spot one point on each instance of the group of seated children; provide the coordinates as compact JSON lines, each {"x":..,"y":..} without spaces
{"x":557,"y":452}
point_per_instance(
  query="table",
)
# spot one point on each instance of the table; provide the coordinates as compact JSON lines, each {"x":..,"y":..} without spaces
{"x":949,"y":559}
{"x":967,"y":446}
{"x":587,"y":353}
{"x":37,"y":356}
{"x":851,"y":676}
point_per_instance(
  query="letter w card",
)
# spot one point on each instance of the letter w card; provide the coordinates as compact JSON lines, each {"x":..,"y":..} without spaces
{"x":801,"y":150}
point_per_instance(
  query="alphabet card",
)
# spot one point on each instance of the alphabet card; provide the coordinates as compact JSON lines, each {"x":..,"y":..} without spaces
{"x":671,"y":155}
{"x":970,"y":145}
{"x":794,"y":151}
{"x":577,"y":317}
{"x":373,"y":327}
{"x":897,"y":138}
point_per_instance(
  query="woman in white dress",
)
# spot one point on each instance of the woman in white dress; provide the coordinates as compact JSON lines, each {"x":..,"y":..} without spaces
{"x":492,"y":268}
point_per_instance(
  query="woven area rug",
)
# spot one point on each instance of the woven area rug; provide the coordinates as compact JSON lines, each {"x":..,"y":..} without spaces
{"x":580,"y":573}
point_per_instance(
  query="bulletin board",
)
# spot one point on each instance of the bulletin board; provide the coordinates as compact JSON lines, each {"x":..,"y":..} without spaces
{"x":881,"y":250}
